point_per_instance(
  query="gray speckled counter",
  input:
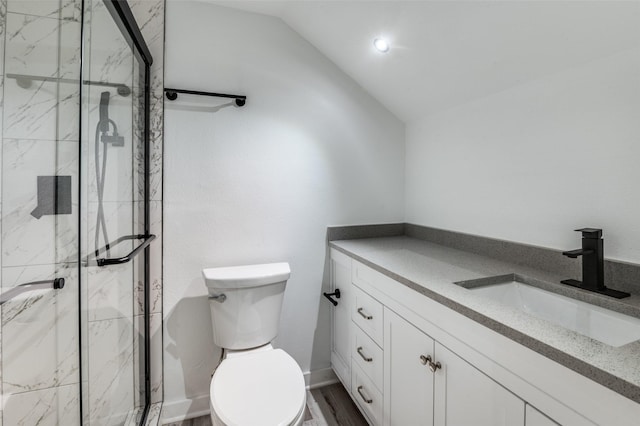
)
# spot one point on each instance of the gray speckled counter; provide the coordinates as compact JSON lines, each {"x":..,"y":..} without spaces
{"x":432,"y":269}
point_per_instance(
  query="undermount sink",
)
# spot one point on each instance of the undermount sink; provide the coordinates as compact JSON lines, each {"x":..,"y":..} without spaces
{"x":607,"y":326}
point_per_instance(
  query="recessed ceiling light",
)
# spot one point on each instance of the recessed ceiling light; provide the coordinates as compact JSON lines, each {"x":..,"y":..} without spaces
{"x":381,"y":45}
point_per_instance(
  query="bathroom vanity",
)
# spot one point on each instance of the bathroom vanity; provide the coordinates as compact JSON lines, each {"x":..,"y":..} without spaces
{"x":413,"y":348}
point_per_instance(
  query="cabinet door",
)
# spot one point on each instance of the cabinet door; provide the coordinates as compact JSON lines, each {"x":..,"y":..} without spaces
{"x":536,"y":418}
{"x":408,"y":389}
{"x":341,"y":317}
{"x":464,"y":396}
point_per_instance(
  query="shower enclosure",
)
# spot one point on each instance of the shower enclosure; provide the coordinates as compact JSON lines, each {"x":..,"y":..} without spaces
{"x":74,"y":214}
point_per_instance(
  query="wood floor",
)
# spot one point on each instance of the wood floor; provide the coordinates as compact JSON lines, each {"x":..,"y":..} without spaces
{"x":337,"y":407}
{"x":326,"y":406}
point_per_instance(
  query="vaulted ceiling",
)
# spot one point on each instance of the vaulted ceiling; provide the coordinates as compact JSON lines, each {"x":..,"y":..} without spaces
{"x":446,"y":53}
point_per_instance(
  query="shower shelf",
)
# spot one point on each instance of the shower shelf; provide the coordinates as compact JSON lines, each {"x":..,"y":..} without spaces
{"x":25,"y":82}
{"x":106,"y":261}
{"x":172,"y":95}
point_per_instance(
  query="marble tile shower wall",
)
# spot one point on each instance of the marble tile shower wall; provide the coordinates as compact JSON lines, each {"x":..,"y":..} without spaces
{"x":150,"y":16}
{"x":39,"y":338}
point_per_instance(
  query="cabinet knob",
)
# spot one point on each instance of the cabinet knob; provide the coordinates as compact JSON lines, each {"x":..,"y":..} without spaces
{"x":434,"y":366}
{"x":427,"y":360}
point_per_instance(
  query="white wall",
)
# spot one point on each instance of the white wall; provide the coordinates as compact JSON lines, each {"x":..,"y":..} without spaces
{"x":532,"y":163}
{"x":261,"y":183}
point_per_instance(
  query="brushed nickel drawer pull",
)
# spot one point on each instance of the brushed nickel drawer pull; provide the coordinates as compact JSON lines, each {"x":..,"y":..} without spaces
{"x":364,"y":398}
{"x":366,"y":358}
{"x":434,"y":366}
{"x":363,"y":315}
{"x":424,"y":360}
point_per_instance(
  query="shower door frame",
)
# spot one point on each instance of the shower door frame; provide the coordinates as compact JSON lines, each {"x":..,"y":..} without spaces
{"x":125,"y":21}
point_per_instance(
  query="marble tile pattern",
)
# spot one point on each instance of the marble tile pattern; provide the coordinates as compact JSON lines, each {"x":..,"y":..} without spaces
{"x":39,"y":331}
{"x":63,"y":10}
{"x":111,"y":372}
{"x":47,"y":407}
{"x":40,"y":137}
{"x":155,"y":279}
{"x":150,"y":16}
{"x":27,"y":240}
{"x":153,"y":418}
{"x":47,"y":47}
{"x":156,"y":357}
{"x":40,"y":380}
{"x":156,"y":361}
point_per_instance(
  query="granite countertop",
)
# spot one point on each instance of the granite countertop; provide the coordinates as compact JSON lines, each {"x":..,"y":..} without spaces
{"x":432,"y":269}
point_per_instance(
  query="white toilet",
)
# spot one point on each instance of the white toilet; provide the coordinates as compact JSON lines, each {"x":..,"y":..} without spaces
{"x":255,"y":384}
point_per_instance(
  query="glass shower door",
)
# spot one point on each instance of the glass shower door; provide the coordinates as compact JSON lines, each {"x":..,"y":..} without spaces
{"x":113,"y":291}
{"x":73,"y":113}
{"x":40,"y":54}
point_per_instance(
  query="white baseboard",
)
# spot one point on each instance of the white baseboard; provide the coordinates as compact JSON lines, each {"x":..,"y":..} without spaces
{"x":178,"y":411}
{"x":318,"y":378}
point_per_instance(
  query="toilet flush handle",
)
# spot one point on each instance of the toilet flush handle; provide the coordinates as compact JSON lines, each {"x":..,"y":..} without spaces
{"x":218,"y":297}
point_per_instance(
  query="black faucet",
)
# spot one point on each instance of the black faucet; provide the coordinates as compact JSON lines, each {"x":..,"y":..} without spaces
{"x":592,"y":253}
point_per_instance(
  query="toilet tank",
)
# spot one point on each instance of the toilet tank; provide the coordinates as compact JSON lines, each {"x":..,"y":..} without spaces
{"x":247,"y":315}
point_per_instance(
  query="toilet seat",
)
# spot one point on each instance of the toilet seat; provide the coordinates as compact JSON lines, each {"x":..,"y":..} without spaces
{"x":261,"y":387}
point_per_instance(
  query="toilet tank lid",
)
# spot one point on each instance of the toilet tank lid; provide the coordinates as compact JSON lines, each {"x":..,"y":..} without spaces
{"x":247,"y":275}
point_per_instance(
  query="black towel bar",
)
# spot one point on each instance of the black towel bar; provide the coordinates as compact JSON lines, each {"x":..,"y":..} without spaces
{"x":106,"y":261}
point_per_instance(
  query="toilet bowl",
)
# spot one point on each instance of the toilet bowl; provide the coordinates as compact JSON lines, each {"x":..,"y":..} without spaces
{"x":263,"y":386}
{"x":255,"y":384}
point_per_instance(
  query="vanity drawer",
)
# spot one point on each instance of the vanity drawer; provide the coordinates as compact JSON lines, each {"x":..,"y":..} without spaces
{"x":367,"y":314}
{"x":368,"y":398}
{"x":368,"y":356}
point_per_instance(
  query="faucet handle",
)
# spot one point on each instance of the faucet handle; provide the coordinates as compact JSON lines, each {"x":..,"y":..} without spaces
{"x":593,"y":233}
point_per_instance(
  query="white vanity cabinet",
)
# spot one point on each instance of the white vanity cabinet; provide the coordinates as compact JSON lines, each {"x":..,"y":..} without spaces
{"x":466,"y":396}
{"x":409,"y":387}
{"x":340,"y":267}
{"x":386,"y":336}
{"x":367,"y":354}
{"x":427,"y":384}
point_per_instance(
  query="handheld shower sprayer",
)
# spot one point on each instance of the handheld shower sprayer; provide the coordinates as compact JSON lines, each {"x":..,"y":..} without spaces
{"x":114,"y":139}
{"x":105,"y":124}
{"x":104,"y":111}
